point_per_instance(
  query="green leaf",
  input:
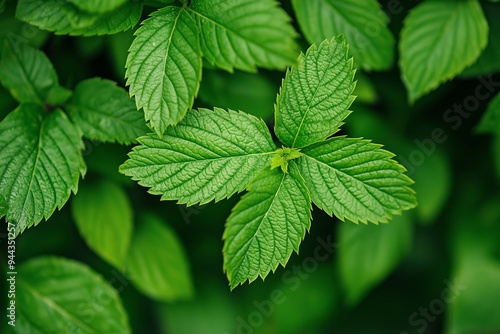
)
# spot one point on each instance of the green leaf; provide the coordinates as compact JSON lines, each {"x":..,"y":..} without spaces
{"x":369,"y":253}
{"x":315,"y":95}
{"x":97,"y":6}
{"x":363,"y":23}
{"x":103,"y":215}
{"x":40,"y":163}
{"x":439,"y":39}
{"x":267,"y":225}
{"x":164,"y":66}
{"x":157,"y":263}
{"x":356,"y":179}
{"x":208,"y":155}
{"x":488,"y":62}
{"x":244,"y":34}
{"x":57,"y":295}
{"x":62,"y":17}
{"x":105,"y":112}
{"x":27,"y":73}
{"x":490,"y":122}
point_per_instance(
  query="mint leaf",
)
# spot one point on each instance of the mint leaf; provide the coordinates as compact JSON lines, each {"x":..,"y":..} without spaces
{"x":356,"y":179}
{"x":267,"y":225}
{"x":164,"y":66}
{"x":62,"y":17}
{"x":245,"y":34}
{"x":60,"y":296}
{"x":363,"y":23}
{"x":368,"y":254}
{"x":208,"y":155}
{"x":490,"y":122}
{"x":439,"y":39}
{"x":104,"y":218}
{"x":157,"y":262}
{"x":27,"y":73}
{"x":40,"y":163}
{"x":97,"y":6}
{"x":315,"y":95}
{"x":105,"y":112}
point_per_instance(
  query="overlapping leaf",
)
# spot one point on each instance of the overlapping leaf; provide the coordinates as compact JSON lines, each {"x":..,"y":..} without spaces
{"x":267,"y":225}
{"x":355,"y":179}
{"x":40,"y":163}
{"x":208,"y":155}
{"x":362,"y":22}
{"x":245,"y":34}
{"x":164,"y":66}
{"x":315,"y":95}
{"x":97,"y":6}
{"x":490,"y":122}
{"x":105,"y":112}
{"x":439,"y":39}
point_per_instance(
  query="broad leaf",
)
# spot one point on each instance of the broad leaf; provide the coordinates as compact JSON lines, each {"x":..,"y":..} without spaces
{"x":103,"y":215}
{"x":27,"y":73}
{"x":368,"y":254}
{"x":40,"y":163}
{"x":356,"y":179}
{"x":439,"y":39}
{"x":245,"y":34}
{"x":267,"y":225}
{"x":157,"y":263}
{"x":105,"y":112}
{"x":164,"y":66}
{"x":57,"y":295}
{"x":315,"y":95}
{"x":62,"y":17}
{"x":490,"y":122}
{"x":362,"y":22}
{"x":208,"y":155}
{"x":97,"y":6}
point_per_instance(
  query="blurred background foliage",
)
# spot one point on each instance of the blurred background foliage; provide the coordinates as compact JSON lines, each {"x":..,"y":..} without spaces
{"x":377,"y":279}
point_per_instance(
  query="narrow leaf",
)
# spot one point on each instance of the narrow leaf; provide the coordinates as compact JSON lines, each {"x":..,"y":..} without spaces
{"x":157,"y":262}
{"x":97,"y":6}
{"x":208,"y":155}
{"x":164,"y":66}
{"x":103,"y":215}
{"x":439,"y":39}
{"x":370,"y":253}
{"x":267,"y":225}
{"x":105,"y":112}
{"x":356,"y":179}
{"x":245,"y":34}
{"x":315,"y":95}
{"x":27,"y":73}
{"x":40,"y":163}
{"x":363,"y":23}
{"x":57,"y":295}
{"x":63,"y":17}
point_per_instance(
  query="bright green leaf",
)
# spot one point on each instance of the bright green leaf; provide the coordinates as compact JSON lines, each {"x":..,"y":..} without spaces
{"x":356,"y":179}
{"x":267,"y":225}
{"x":315,"y":95}
{"x":40,"y":163}
{"x":208,"y":155}
{"x":103,"y":215}
{"x":57,"y":295}
{"x":439,"y":39}
{"x":97,"y":6}
{"x":164,"y":66}
{"x":62,"y":17}
{"x":490,"y":122}
{"x":363,"y":23}
{"x":27,"y":73}
{"x":245,"y":34}
{"x":157,"y":263}
{"x":369,"y":253}
{"x":105,"y":112}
